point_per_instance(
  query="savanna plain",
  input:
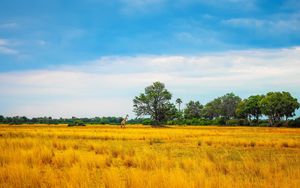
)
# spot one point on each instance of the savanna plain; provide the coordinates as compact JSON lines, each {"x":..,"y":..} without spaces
{"x":142,"y":156}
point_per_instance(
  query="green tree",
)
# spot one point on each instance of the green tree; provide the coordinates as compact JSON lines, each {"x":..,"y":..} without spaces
{"x":253,"y":106}
{"x":224,"y":107}
{"x":2,"y":118}
{"x":178,"y":101}
{"x":155,"y":102}
{"x":212,"y":109}
{"x":250,"y":107}
{"x":242,"y":110}
{"x":229,"y":103}
{"x":277,"y":105}
{"x":193,"y":110}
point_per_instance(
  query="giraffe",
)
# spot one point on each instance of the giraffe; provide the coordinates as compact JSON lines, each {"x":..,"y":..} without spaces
{"x":123,"y":122}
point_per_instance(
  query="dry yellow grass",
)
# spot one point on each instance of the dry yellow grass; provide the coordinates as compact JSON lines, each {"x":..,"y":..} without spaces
{"x":139,"y":156}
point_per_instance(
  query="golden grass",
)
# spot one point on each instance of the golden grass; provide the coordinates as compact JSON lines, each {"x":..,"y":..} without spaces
{"x":140,"y":156}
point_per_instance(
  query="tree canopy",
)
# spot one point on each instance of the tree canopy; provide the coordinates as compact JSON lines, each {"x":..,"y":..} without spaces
{"x":224,"y":106}
{"x":193,"y":109}
{"x":250,"y":107}
{"x":155,"y":102}
{"x":277,"y":105}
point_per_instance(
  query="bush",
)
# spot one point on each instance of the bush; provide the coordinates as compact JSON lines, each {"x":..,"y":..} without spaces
{"x":233,"y":122}
{"x":172,"y":122}
{"x":76,"y":123}
{"x":148,"y":122}
{"x":220,"y":121}
{"x":294,"y":123}
{"x":263,"y":123}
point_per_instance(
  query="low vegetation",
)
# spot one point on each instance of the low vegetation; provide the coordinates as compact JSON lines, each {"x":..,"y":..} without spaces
{"x":140,"y":156}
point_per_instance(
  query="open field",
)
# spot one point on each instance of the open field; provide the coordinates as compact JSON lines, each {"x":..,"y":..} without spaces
{"x":140,"y":156}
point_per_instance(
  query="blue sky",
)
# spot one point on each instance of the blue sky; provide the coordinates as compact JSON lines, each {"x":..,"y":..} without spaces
{"x":57,"y":55}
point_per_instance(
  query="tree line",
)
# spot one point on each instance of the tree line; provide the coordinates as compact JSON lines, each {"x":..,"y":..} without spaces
{"x":273,"y":109}
{"x":154,"y":107}
{"x":70,"y":121}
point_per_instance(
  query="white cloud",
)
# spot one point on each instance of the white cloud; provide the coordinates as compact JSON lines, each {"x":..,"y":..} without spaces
{"x":107,"y":86}
{"x":6,"y":49}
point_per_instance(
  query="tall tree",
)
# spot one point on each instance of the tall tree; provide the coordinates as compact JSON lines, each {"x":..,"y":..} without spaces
{"x":250,"y":107}
{"x":242,"y":110}
{"x":2,"y":118}
{"x":178,"y":101}
{"x":277,"y":105}
{"x":229,"y":103}
{"x":253,"y":106}
{"x":212,"y":109}
{"x":155,"y":102}
{"x":224,"y":106}
{"x":193,"y":110}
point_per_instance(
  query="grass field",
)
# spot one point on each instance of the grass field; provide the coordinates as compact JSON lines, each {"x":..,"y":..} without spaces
{"x":140,"y":156}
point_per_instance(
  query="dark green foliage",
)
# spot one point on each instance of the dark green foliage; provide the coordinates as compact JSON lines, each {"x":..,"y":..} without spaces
{"x":155,"y":102}
{"x":294,"y":123}
{"x":277,"y":105}
{"x":224,"y":106}
{"x":17,"y":120}
{"x":250,"y":108}
{"x":229,"y":103}
{"x":2,"y":118}
{"x":178,"y":101}
{"x":212,"y":109}
{"x":76,"y":123}
{"x":194,"y":121}
{"x":237,"y":122}
{"x":147,"y":122}
{"x":193,"y":110}
{"x":48,"y":120}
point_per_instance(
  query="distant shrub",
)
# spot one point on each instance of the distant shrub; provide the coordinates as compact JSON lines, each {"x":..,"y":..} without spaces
{"x":188,"y":122}
{"x":220,"y":121}
{"x":236,"y":122}
{"x":264,"y":124}
{"x":195,"y":121}
{"x":172,"y":122}
{"x":294,"y":123}
{"x":76,"y":123}
{"x":232,"y":122}
{"x":147,"y":122}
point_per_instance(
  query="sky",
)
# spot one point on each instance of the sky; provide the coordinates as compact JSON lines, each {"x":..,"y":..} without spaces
{"x":88,"y":58}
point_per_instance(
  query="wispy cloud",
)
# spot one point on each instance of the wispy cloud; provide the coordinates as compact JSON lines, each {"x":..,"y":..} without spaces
{"x":106,"y":86}
{"x":137,"y":6}
{"x":8,"y":25}
{"x":143,"y":6}
{"x":273,"y":24}
{"x":6,"y":49}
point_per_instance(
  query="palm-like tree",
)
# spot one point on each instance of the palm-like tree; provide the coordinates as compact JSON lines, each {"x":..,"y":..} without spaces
{"x":178,"y":101}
